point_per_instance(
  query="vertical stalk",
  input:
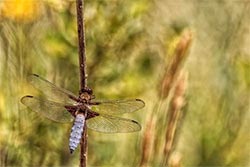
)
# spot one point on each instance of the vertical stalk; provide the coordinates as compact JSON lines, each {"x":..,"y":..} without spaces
{"x":84,"y":147}
{"x":81,"y":44}
{"x":174,"y":114}
{"x":83,"y":76}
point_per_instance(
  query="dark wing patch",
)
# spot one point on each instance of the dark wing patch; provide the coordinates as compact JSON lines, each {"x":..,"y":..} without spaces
{"x":111,"y":124}
{"x":117,"y":106}
{"x":52,"y":110}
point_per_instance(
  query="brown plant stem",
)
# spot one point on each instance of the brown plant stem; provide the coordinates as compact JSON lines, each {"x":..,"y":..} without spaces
{"x":174,"y":114}
{"x":83,"y":76}
{"x":81,"y":44}
{"x":147,"y":141}
{"x":84,"y":148}
{"x":174,"y":67}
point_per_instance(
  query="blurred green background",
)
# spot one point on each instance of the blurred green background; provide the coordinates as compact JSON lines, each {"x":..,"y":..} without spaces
{"x":130,"y":44}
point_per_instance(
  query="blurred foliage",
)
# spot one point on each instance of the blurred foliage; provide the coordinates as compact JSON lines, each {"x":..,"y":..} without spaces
{"x":130,"y":45}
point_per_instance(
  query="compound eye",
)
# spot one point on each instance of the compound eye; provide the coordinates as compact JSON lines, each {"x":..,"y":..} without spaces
{"x":89,"y":91}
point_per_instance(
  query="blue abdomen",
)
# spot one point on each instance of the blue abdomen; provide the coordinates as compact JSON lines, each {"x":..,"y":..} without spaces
{"x":76,"y":132}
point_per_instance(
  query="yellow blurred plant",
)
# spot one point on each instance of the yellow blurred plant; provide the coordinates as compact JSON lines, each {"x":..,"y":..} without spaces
{"x":173,"y":79}
{"x":20,"y":10}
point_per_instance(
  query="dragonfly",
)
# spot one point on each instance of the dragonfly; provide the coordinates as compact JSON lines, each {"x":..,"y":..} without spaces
{"x":63,"y":106}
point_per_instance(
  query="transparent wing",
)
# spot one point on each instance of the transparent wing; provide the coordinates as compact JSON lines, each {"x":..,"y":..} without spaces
{"x":52,"y":110}
{"x":51,"y":91}
{"x":117,"y":106}
{"x":111,"y":124}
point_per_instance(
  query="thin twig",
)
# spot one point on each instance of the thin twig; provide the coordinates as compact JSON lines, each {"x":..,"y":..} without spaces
{"x":175,"y":65}
{"x":83,"y":76}
{"x":147,"y":142}
{"x":84,"y":148}
{"x":176,"y":104}
{"x":81,"y":43}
